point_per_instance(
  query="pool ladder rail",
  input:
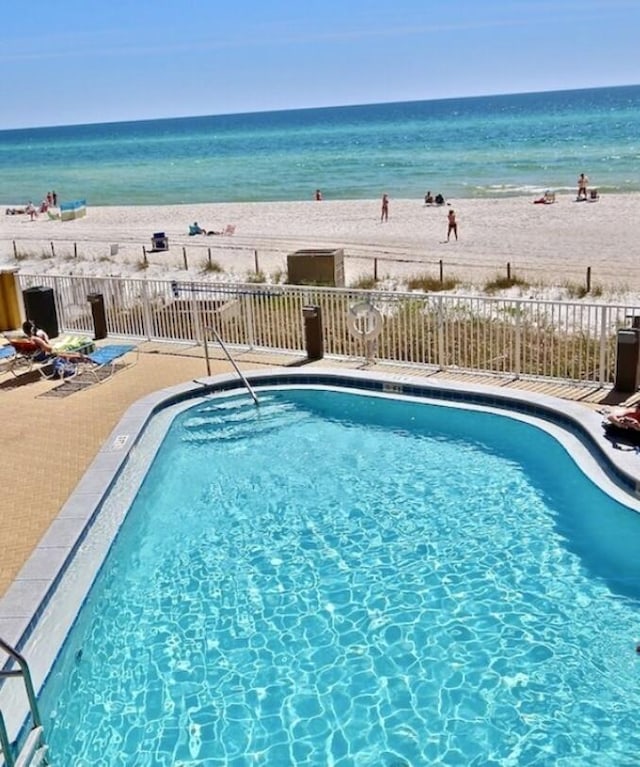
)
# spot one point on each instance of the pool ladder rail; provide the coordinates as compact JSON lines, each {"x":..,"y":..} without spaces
{"x":34,"y":751}
{"x":231,"y":360}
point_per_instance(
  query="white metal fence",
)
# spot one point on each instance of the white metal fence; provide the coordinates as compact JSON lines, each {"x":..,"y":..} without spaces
{"x":521,"y":337}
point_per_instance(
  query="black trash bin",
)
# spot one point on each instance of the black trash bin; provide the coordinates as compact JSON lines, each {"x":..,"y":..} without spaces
{"x":313,"y":332}
{"x":99,"y":317}
{"x":40,"y":307}
{"x":628,"y":360}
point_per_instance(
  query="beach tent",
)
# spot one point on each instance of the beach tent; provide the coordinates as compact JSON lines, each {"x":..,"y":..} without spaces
{"x":74,"y":209}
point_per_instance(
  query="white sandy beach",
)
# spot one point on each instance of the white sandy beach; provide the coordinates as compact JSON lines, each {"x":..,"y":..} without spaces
{"x":549,"y":246}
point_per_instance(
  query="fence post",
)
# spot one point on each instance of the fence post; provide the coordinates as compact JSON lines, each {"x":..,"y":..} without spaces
{"x":247,"y":303}
{"x":145,"y":260}
{"x":508,"y":271}
{"x":441,"y":272}
{"x":147,"y":320}
{"x":255,"y":259}
{"x":375,"y":269}
{"x":517,"y":363}
{"x":440,"y":320}
{"x":53,"y":250}
{"x":15,"y":251}
{"x":588,"y":279}
{"x":184,"y":258}
{"x":75,"y":250}
{"x":209,"y":255}
{"x":603,"y":345}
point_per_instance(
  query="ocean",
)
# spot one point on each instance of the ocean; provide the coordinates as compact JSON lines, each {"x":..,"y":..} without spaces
{"x":493,"y":146}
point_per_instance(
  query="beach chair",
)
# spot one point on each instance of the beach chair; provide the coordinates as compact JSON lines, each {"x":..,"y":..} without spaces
{"x":159,"y":241}
{"x":101,"y":364}
{"x":26,"y":355}
{"x":53,"y":216}
{"x":593,"y":195}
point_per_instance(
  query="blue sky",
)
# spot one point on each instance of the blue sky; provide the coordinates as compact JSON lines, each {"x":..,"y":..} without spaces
{"x":84,"y":61}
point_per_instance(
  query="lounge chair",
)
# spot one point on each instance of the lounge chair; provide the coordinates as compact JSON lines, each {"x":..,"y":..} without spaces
{"x":593,"y":195}
{"x":27,"y":354}
{"x":53,"y":216}
{"x":7,"y":353}
{"x":159,"y":241}
{"x":101,"y":364}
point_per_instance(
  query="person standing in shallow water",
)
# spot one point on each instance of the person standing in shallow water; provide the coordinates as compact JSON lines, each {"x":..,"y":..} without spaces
{"x":384,"y":215}
{"x":452,"y":224}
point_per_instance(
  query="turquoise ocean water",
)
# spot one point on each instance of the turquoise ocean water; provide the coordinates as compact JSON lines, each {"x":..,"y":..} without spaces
{"x":473,"y":147}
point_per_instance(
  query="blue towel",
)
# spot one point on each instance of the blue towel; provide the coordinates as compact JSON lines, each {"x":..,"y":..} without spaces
{"x":106,"y":354}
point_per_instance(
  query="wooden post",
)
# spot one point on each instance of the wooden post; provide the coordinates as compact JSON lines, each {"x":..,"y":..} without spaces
{"x":15,"y":251}
{"x":375,"y":269}
{"x":145,"y":260}
{"x":75,"y":250}
{"x":184,"y":258}
{"x":53,"y":250}
{"x":255,"y":259}
{"x":508,"y":271}
{"x":441,"y":271}
{"x":209,"y":255}
{"x":588,"y":279}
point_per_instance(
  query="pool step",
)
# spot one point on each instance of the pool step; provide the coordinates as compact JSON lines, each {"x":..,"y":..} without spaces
{"x":34,"y":752}
{"x":237,"y":420}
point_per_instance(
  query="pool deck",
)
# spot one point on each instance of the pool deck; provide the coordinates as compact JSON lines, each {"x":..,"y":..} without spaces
{"x":51,"y":431}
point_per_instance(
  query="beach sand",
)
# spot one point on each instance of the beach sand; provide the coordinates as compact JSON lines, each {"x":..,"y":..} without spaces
{"x":548,"y":246}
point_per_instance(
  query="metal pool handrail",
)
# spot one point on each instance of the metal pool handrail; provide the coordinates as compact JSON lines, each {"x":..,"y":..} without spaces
{"x":23,"y":671}
{"x":231,"y":360}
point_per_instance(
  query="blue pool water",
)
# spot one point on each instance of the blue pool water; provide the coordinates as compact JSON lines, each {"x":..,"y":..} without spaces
{"x":350,"y":580}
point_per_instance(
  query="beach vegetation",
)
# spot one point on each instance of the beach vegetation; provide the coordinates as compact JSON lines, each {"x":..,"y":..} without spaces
{"x":278,"y":277}
{"x":578,"y":290}
{"x":364,"y":282}
{"x":256,"y":277}
{"x":430,"y":284}
{"x":212,"y":267}
{"x":141,"y":264}
{"x":504,"y":283}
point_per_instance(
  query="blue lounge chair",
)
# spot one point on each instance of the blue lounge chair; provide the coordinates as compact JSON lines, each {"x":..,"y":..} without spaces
{"x":101,"y":364}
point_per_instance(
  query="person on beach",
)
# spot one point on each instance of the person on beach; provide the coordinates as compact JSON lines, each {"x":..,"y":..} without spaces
{"x":54,"y":197}
{"x":428,"y":198}
{"x":384,"y":215}
{"x":318,"y":195}
{"x":452,"y":224}
{"x":583,"y":183}
{"x":439,"y":199}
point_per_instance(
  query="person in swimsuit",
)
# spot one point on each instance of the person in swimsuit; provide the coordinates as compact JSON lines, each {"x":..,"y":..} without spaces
{"x":583,"y":183}
{"x":627,"y":419}
{"x":452,"y":224}
{"x":384,"y":215}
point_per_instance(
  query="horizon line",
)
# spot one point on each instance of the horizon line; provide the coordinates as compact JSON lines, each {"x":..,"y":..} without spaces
{"x":314,"y":108}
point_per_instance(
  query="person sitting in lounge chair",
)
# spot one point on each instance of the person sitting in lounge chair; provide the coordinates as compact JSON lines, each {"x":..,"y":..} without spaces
{"x":626,"y":419}
{"x":38,"y":336}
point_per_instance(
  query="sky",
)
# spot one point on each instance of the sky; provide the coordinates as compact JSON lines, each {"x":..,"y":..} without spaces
{"x":89,"y":61}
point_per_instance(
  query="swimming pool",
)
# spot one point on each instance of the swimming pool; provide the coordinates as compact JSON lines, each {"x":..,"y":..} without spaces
{"x":352,"y":579}
{"x":391,"y":735}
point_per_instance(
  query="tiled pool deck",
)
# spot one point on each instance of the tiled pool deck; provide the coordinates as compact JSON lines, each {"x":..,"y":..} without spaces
{"x":49,"y":441}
